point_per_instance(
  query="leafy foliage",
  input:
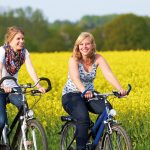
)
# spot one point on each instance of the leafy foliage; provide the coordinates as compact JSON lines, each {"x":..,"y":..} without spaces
{"x":125,"y":32}
{"x":90,"y":22}
{"x":121,"y":32}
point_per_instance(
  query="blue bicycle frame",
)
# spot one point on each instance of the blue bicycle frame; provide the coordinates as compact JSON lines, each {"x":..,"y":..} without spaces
{"x":98,"y":127}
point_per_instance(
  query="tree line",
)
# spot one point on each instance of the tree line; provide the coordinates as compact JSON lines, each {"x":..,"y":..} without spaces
{"x":111,"y":32}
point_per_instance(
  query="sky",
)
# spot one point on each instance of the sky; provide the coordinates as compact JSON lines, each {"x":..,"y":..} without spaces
{"x":74,"y":10}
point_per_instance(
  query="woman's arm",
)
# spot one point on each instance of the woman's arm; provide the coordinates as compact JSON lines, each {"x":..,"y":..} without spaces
{"x":30,"y":69}
{"x":32,"y":73}
{"x":6,"y":89}
{"x":74,"y":74}
{"x":108,"y":74}
{"x":1,"y":67}
{"x":75,"y":77}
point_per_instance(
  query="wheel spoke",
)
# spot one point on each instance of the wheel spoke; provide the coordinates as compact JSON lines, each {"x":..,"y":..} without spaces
{"x":118,"y":140}
{"x":35,"y":137}
{"x":68,"y":141}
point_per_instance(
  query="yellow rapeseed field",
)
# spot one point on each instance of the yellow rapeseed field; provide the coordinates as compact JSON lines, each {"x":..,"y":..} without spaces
{"x":129,"y":66}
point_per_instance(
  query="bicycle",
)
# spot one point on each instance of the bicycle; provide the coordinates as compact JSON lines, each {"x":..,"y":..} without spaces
{"x":29,"y":133}
{"x":105,"y":134}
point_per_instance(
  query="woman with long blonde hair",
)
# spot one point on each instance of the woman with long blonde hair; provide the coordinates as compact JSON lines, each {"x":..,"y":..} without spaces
{"x":82,"y":72}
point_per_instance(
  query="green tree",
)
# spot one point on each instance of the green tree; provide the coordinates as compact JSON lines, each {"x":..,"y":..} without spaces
{"x":112,"y":32}
{"x":90,"y":22}
{"x":126,"y":32}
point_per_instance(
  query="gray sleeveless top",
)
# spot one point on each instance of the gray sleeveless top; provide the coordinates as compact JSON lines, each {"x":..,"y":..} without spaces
{"x":85,"y":77}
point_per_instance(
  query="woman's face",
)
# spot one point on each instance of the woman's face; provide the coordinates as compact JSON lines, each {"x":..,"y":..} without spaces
{"x":85,"y":47}
{"x":17,"y":42}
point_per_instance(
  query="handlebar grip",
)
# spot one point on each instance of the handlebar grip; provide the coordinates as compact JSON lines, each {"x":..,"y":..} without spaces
{"x":48,"y":88}
{"x":117,"y":94}
{"x":8,"y":78}
{"x":12,"y":91}
{"x":49,"y":83}
{"x":35,"y":91}
{"x":83,"y":93}
{"x":129,"y":89}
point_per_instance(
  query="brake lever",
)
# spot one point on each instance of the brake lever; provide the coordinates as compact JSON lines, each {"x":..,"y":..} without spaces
{"x":117,"y":94}
{"x":33,"y":92}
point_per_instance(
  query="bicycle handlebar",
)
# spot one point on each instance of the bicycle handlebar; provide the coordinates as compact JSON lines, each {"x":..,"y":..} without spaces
{"x":8,"y":78}
{"x":28,"y":85}
{"x":44,"y":79}
{"x":115,"y":93}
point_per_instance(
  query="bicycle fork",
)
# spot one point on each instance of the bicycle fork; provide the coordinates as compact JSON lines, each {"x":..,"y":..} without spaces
{"x":25,"y":141}
{"x":4,"y":134}
{"x":23,"y":129}
{"x":34,"y":139}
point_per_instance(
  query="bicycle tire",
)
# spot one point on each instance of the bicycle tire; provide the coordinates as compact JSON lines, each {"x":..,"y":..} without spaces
{"x":68,"y":134}
{"x":117,"y":140}
{"x":40,"y":142}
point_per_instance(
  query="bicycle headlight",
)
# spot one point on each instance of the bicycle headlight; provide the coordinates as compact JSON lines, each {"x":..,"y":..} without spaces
{"x":30,"y":113}
{"x":112,"y":112}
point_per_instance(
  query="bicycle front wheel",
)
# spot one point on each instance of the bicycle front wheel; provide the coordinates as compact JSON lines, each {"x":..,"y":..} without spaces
{"x":68,"y":141}
{"x":35,"y":137}
{"x":117,"y":140}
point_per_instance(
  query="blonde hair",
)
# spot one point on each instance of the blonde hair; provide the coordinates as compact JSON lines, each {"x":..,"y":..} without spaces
{"x":76,"y":53}
{"x":11,"y":32}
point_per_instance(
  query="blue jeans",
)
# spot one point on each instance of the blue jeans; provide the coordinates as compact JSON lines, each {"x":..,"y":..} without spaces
{"x":15,"y":99}
{"x":75,"y":106}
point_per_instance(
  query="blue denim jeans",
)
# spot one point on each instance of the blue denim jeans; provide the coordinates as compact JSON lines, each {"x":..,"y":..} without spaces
{"x":75,"y":106}
{"x":15,"y":99}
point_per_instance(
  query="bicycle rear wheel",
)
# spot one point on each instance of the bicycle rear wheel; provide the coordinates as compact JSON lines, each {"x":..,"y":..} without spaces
{"x":35,"y":137}
{"x":118,"y":140}
{"x":68,"y":141}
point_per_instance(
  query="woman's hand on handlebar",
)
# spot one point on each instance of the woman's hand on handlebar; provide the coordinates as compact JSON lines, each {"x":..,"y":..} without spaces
{"x":41,"y":89}
{"x":7,"y":89}
{"x":88,"y":95}
{"x":122,"y":92}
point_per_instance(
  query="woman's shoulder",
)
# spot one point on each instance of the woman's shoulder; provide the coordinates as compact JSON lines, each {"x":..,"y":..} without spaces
{"x":98,"y":57}
{"x":2,"y":48}
{"x":2,"y":53}
{"x":26,"y":52}
{"x":73,"y":63}
{"x":73,"y":60}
